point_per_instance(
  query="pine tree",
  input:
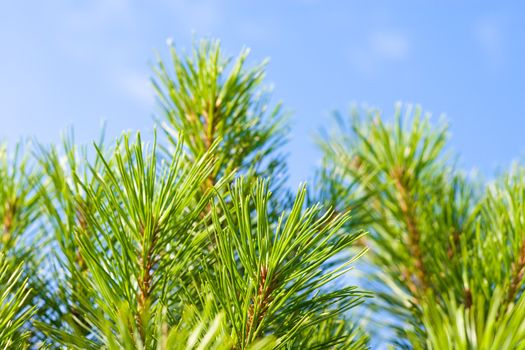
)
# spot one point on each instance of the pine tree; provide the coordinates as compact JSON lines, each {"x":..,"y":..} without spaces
{"x":449,"y":251}
{"x":186,"y":241}
{"x":190,"y":239}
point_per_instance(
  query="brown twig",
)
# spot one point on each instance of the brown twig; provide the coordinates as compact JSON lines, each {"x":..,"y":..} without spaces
{"x":468,"y":298}
{"x":414,"y":237}
{"x":455,"y":244}
{"x":9,"y":219}
{"x":260,"y":302}
{"x":81,"y":213}
{"x":517,"y":274}
{"x":145,"y":280}
{"x":453,"y":248}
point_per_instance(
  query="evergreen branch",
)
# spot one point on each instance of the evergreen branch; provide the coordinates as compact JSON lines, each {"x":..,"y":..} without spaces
{"x":215,"y":103}
{"x":409,"y":215}
{"x":14,"y":312}
{"x":277,"y":279}
{"x":418,"y":209}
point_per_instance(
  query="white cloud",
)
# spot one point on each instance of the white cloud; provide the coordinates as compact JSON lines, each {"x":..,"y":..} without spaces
{"x":88,"y":29}
{"x":199,"y":16}
{"x":488,"y":34}
{"x":137,"y":86}
{"x":389,"y":45}
{"x":378,"y":49}
{"x":96,"y":14}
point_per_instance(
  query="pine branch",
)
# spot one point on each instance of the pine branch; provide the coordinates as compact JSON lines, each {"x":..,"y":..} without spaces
{"x":273,"y":272}
{"x":409,"y":216}
{"x":14,"y":312}
{"x":396,"y":172}
{"x":212,"y":102}
{"x":517,"y":273}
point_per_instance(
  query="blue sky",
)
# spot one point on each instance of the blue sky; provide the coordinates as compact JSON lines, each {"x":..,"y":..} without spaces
{"x":66,"y":63}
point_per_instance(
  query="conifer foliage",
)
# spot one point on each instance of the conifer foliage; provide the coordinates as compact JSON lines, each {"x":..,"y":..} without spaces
{"x":189,"y":238}
{"x":449,"y":251}
{"x":184,"y":241}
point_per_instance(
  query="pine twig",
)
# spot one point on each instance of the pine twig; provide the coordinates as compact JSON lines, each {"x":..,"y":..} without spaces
{"x":414,"y":236}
